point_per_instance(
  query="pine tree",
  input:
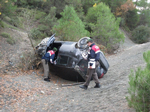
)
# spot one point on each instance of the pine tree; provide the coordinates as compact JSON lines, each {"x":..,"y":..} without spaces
{"x":132,"y":19}
{"x":48,"y":22}
{"x":144,"y":10}
{"x":70,"y":26}
{"x":104,"y":25}
{"x":139,"y":87}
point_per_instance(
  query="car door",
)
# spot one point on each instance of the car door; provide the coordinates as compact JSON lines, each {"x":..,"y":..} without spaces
{"x":43,"y":46}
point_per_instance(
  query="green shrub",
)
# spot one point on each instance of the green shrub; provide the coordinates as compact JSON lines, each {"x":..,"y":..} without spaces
{"x":36,"y":34}
{"x":10,"y":40}
{"x":5,"y":35}
{"x":13,"y":20}
{"x":39,"y":15}
{"x":1,"y":24}
{"x":141,"y":34}
{"x":7,"y":19}
{"x":139,"y":87}
{"x":6,"y":25}
{"x":44,"y":29}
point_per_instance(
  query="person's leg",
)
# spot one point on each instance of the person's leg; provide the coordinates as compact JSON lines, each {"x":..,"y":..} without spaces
{"x":95,"y":77}
{"x":89,"y":75}
{"x":88,"y":79}
{"x":46,"y":68}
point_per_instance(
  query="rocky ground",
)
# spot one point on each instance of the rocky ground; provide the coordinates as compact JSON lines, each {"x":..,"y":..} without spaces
{"x":27,"y":92}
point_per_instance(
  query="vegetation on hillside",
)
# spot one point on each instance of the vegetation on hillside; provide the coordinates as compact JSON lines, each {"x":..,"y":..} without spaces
{"x":104,"y":26}
{"x":72,"y":20}
{"x":139,"y":91}
{"x":70,"y":27}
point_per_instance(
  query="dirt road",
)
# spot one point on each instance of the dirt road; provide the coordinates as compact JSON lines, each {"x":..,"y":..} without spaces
{"x":27,"y":92}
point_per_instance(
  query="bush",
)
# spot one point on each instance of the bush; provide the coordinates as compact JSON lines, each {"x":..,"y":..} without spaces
{"x":1,"y":24}
{"x":10,"y":40}
{"x":43,"y":28}
{"x":5,"y":35}
{"x":6,"y":25}
{"x":139,"y":87}
{"x":36,"y":34}
{"x":141,"y":34}
{"x":13,"y":20}
{"x":39,"y":15}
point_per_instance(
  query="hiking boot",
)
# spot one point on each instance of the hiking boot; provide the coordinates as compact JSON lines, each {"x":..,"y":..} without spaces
{"x":97,"y":86}
{"x":83,"y":87}
{"x":47,"y":79}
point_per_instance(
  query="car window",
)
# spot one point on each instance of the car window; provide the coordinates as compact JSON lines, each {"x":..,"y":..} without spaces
{"x":83,"y":65}
{"x":70,"y":62}
{"x":62,"y":60}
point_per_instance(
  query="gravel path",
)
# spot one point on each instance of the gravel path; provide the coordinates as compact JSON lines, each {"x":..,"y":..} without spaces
{"x":27,"y":92}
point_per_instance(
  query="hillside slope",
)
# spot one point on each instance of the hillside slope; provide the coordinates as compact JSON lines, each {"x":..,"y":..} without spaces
{"x":21,"y":91}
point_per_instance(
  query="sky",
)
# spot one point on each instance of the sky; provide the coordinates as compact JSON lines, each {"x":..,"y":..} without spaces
{"x":140,"y":7}
{"x":135,"y":0}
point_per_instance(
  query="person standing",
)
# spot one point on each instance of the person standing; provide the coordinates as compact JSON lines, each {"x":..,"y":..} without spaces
{"x":93,"y":62}
{"x":48,"y":57}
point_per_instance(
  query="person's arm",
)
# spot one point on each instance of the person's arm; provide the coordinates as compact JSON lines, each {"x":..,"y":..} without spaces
{"x":97,"y":56}
{"x":52,"y":58}
{"x":96,"y":52}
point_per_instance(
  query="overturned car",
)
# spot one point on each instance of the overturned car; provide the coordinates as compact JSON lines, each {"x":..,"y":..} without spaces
{"x":70,"y":62}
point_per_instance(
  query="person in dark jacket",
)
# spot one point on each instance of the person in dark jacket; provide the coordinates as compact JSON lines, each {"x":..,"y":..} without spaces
{"x":93,"y":62}
{"x":48,"y":57}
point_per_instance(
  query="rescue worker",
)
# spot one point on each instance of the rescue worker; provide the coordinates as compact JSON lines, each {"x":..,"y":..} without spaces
{"x":93,"y":62}
{"x":48,"y":57}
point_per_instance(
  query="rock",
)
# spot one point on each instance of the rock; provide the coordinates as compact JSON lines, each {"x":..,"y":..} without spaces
{"x":42,"y":92}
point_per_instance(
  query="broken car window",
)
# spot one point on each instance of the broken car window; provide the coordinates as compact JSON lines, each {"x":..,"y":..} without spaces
{"x":62,"y":60}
